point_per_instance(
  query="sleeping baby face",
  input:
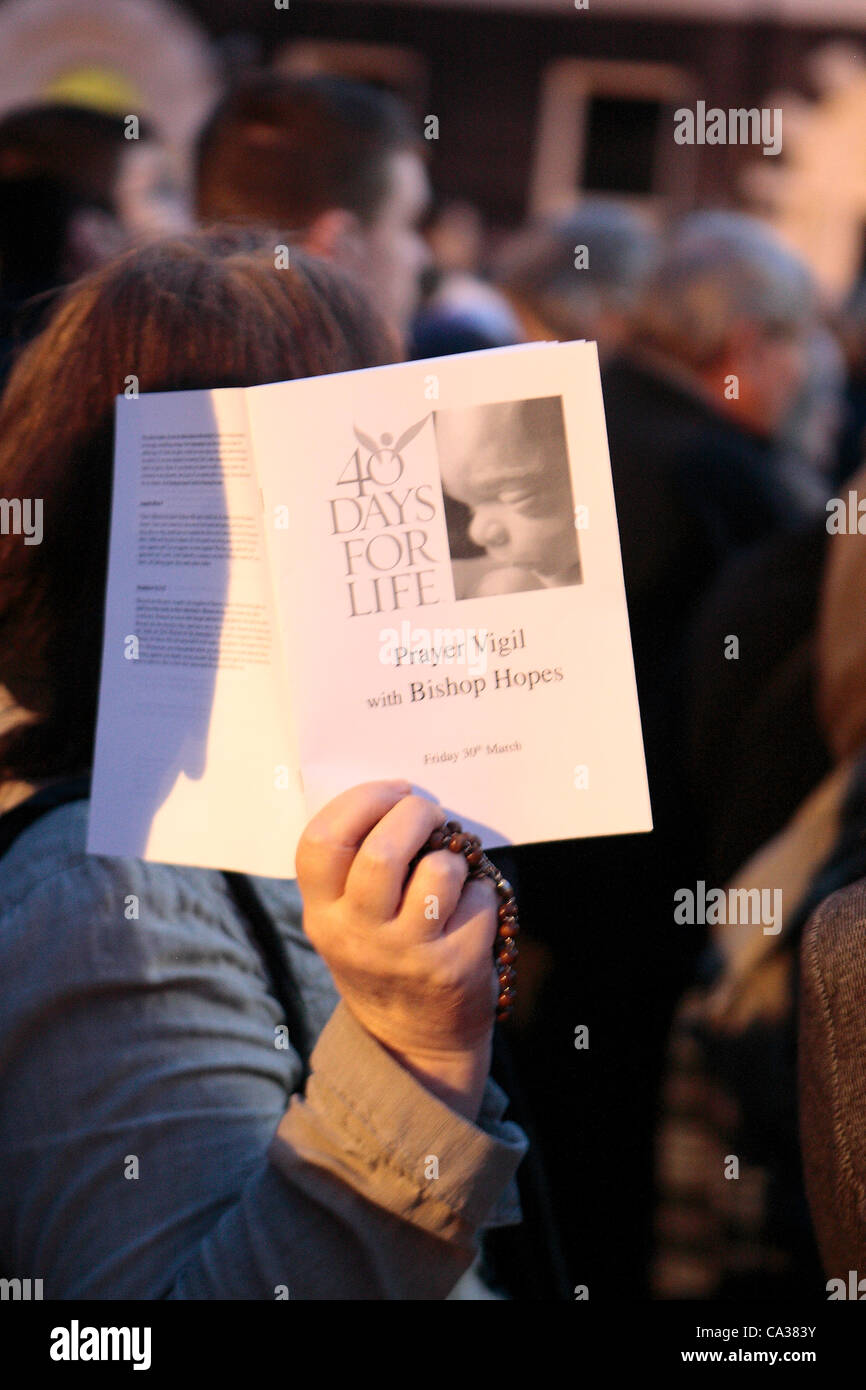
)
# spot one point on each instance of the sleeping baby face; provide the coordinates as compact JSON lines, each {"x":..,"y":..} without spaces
{"x":519,"y":494}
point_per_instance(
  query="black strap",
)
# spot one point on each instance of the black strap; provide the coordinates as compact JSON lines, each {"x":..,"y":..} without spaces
{"x":265,"y":934}
{"x":527,"y":1260}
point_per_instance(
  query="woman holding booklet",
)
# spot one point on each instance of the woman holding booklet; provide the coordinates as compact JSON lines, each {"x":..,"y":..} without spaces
{"x":156,"y":1021}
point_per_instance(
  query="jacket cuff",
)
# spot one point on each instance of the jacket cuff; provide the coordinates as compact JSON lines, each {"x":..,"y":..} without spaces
{"x":396,"y":1143}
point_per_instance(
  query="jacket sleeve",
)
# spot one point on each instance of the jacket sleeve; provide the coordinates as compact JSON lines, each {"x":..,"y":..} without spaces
{"x":368,"y":1144}
{"x":832,"y":1078}
{"x":146,"y":1147}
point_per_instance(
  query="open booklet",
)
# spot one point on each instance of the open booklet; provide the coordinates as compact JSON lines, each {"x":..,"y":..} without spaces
{"x":411,"y":571}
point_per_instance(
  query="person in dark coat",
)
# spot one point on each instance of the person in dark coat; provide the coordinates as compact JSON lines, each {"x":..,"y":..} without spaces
{"x":692,"y":408}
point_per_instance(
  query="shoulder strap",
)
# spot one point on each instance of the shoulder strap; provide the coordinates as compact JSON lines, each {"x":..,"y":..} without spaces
{"x":264,"y":933}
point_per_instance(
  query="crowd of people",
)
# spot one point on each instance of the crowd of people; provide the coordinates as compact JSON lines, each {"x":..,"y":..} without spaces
{"x":707,"y":1142}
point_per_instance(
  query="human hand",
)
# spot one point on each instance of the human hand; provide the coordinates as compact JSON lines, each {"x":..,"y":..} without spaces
{"x":413,"y":961}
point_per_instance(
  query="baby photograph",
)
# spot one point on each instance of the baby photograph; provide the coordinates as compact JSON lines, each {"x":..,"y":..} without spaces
{"x":509,"y":507}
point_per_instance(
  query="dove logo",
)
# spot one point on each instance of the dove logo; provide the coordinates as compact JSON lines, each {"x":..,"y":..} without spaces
{"x":385,"y":462}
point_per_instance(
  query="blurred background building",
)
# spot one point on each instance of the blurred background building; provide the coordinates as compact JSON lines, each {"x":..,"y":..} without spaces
{"x":537,"y":100}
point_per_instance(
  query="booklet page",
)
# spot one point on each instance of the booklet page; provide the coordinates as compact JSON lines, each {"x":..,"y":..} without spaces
{"x":446,"y":562}
{"x":195,"y":758}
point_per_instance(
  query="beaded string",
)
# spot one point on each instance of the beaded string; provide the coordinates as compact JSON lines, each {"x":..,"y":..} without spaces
{"x":452,"y":836}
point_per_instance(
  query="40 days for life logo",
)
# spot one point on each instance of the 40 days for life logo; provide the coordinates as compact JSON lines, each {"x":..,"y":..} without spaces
{"x":381,"y":522}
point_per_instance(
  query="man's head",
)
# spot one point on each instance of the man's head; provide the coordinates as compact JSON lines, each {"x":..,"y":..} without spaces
{"x":337,"y":165}
{"x":730,"y":304}
{"x":72,"y":193}
{"x":578,"y":274}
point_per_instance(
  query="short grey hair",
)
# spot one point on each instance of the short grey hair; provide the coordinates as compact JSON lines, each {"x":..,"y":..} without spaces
{"x":538,"y":264}
{"x":718,"y":268}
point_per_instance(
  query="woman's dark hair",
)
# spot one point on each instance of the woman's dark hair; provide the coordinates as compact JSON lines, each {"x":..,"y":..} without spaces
{"x":198,"y":312}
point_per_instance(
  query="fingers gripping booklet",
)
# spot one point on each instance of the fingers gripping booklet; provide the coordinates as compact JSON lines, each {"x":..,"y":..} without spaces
{"x":411,"y":571}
